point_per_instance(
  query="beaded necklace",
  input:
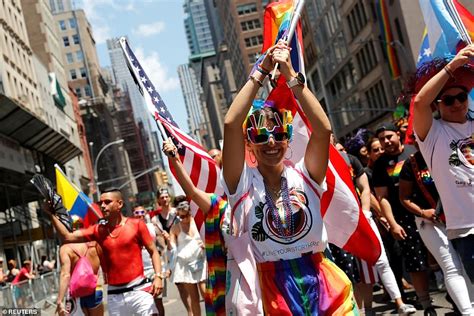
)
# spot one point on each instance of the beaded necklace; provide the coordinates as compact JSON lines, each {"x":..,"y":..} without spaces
{"x":284,"y":224}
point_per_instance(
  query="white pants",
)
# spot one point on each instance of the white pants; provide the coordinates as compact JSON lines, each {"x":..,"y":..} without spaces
{"x":435,"y":239}
{"x":131,"y":303}
{"x":383,"y":267}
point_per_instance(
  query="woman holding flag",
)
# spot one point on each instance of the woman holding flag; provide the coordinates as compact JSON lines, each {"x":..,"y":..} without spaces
{"x":276,"y":208}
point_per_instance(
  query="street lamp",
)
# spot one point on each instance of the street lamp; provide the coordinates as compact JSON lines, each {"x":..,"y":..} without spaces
{"x":96,"y":176}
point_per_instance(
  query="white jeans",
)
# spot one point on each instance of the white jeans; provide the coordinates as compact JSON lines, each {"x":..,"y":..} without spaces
{"x":131,"y":303}
{"x":383,"y":267}
{"x":435,"y":239}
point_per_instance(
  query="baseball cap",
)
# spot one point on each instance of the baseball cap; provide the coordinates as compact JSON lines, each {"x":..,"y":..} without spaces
{"x":386,"y":127}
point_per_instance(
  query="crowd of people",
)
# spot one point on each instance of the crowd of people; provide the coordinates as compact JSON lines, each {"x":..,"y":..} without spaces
{"x":415,"y":189}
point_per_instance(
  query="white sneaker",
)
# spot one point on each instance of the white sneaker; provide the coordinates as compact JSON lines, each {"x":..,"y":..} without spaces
{"x":406,"y":309}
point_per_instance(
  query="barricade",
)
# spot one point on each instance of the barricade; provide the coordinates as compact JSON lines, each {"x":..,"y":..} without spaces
{"x":30,"y":293}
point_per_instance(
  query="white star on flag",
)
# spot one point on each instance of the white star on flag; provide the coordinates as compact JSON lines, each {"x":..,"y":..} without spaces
{"x":150,"y":89}
{"x":162,"y":109}
{"x":156,"y":99}
{"x":427,"y":52}
{"x":137,"y":69}
{"x":179,"y":145}
{"x":143,"y":79}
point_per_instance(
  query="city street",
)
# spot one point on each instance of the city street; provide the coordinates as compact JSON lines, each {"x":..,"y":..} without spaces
{"x":174,"y":306}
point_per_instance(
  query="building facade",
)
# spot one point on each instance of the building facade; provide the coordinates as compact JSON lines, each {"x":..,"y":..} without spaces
{"x":31,"y":141}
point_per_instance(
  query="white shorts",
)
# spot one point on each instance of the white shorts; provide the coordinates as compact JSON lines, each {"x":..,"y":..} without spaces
{"x":131,"y":303}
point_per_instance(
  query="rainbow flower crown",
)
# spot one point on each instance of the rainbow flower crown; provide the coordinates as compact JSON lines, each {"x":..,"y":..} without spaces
{"x":259,"y":134}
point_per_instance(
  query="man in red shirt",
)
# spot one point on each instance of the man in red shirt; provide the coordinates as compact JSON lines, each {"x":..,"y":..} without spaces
{"x":25,"y":273}
{"x":121,"y":239}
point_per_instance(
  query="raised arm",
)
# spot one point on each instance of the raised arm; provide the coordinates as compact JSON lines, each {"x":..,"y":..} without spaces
{"x":64,"y":279}
{"x":317,"y":151}
{"x":201,"y":198}
{"x":66,"y":236}
{"x":423,"y":116}
{"x":233,"y":156}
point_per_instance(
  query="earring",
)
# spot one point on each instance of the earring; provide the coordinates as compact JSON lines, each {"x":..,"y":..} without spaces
{"x":291,"y":153}
{"x":250,"y":157}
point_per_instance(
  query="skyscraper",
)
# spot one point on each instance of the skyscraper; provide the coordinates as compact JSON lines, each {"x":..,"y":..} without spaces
{"x":124,"y":80}
{"x":192,"y":99}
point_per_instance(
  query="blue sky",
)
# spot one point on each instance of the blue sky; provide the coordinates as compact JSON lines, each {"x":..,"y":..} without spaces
{"x":155,"y":31}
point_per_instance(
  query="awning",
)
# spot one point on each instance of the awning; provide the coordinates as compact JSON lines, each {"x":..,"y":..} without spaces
{"x":32,"y":133}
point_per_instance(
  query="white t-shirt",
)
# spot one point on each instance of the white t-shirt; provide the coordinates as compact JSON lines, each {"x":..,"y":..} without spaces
{"x":267,"y":242}
{"x":448,"y":150}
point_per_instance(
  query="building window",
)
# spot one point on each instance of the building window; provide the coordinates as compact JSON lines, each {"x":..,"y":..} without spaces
{"x":69,"y":58}
{"x":73,"y":74}
{"x":83,"y":72}
{"x":62,"y":25}
{"x":376,"y":98}
{"x":254,"y":41}
{"x":79,"y":55}
{"x":250,"y":25}
{"x":66,"y":41}
{"x":87,"y":91}
{"x":75,"y":39}
{"x":253,"y":58}
{"x":72,"y":23}
{"x":357,"y":19}
{"x":366,"y":58}
{"x":78,"y":92}
{"x":246,"y":8}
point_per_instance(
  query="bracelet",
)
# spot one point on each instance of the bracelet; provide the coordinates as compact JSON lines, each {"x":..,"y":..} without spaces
{"x":262,"y":71}
{"x":255,"y":79}
{"x":159,"y":275}
{"x":448,"y":71}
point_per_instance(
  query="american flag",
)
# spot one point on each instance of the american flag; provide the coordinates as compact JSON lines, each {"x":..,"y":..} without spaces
{"x":198,"y":164}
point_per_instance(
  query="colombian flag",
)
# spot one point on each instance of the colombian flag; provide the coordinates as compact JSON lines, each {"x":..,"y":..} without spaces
{"x":76,"y":202}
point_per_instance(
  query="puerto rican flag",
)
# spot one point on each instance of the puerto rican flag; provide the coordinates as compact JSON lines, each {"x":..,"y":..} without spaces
{"x":346,"y":224}
{"x":198,"y":164}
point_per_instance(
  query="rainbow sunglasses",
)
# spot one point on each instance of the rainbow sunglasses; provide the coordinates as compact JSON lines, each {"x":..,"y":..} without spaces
{"x":282,"y":131}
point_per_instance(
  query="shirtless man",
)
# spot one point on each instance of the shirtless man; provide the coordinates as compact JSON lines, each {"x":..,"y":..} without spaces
{"x":121,"y":240}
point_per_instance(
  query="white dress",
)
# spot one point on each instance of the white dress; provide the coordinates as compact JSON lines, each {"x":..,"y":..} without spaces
{"x":190,"y":261}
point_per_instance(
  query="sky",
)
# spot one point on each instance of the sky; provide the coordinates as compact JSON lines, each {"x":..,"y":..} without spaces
{"x":155,"y":31}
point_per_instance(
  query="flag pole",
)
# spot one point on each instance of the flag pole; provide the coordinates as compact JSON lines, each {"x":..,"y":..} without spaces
{"x":453,"y":12}
{"x":78,"y":190}
{"x":291,"y":31}
{"x":123,"y":43}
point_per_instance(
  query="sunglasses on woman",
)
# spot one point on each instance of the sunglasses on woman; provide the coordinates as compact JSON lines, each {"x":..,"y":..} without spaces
{"x":449,"y":100}
{"x":139,"y":213}
{"x":262,"y":135}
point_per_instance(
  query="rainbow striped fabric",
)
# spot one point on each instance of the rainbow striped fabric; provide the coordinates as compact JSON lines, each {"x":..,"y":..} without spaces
{"x":387,"y":38}
{"x":309,"y":285}
{"x":216,"y":257}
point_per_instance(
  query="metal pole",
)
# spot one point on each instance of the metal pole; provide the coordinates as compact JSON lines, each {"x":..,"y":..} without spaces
{"x":96,"y":177}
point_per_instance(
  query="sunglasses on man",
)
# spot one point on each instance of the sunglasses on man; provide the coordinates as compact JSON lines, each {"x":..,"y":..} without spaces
{"x":448,"y":100}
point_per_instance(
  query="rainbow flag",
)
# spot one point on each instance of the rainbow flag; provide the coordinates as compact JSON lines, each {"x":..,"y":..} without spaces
{"x":216,"y":258}
{"x":76,"y":202}
{"x":466,"y":17}
{"x":276,"y":23}
{"x":387,"y":38}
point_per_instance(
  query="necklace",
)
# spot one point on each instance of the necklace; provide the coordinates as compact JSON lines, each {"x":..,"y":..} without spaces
{"x":282,"y":217}
{"x":120,"y":228}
